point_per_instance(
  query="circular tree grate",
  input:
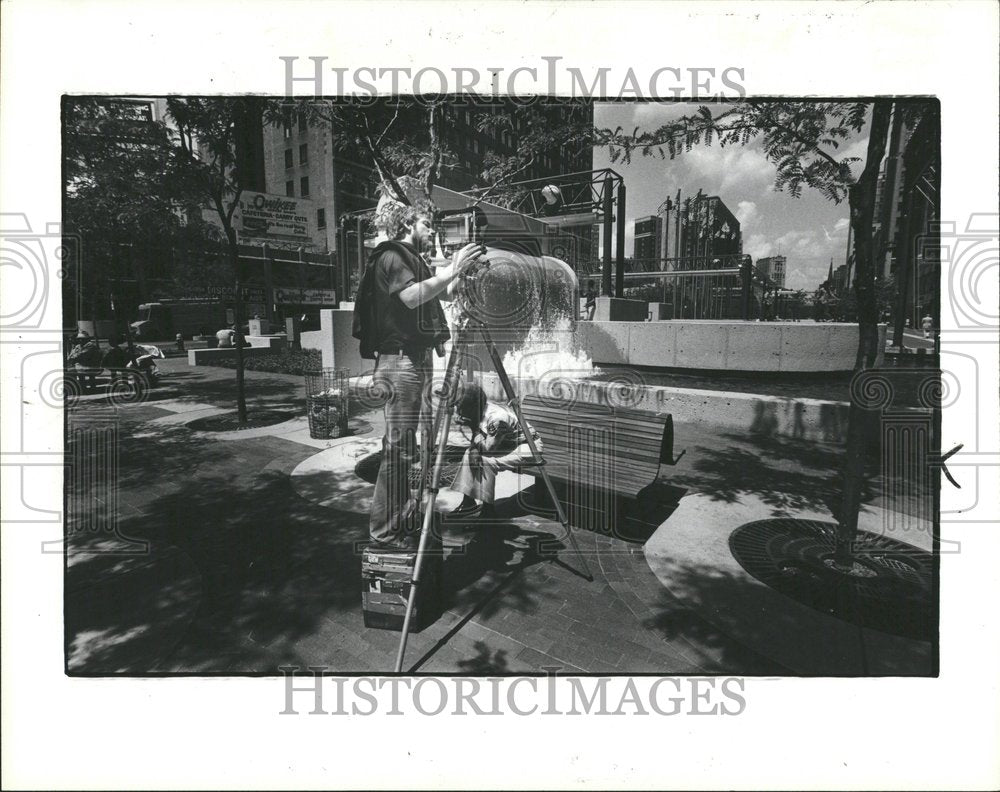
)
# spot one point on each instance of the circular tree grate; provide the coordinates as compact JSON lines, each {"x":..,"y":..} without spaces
{"x":368,"y":466}
{"x":229,"y":422}
{"x":889,"y":587}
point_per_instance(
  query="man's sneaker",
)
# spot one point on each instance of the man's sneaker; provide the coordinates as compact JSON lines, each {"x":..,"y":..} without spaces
{"x":405,"y":543}
{"x":465,"y":511}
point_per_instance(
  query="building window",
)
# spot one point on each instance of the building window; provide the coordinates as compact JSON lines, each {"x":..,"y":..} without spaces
{"x":288,"y":158}
{"x":303,"y":154}
{"x":304,"y":186}
{"x":290,"y":188}
{"x":303,"y":126}
{"x":321,"y":218}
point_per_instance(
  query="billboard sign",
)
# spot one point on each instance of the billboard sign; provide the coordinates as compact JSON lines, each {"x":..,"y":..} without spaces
{"x":262,"y":216}
{"x":305,"y":296}
{"x":281,"y":221}
{"x":251,"y":294}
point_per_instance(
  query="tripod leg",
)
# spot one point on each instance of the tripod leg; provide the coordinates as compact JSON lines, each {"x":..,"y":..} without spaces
{"x":430,"y":419}
{"x":442,"y":418}
{"x":516,"y":406}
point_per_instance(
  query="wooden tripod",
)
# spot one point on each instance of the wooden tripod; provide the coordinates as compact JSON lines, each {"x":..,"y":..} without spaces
{"x":442,"y":418}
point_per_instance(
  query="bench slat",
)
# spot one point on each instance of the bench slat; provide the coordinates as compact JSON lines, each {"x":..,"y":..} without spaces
{"x":620,"y":449}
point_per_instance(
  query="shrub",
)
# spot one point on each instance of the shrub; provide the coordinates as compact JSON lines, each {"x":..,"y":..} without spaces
{"x":284,"y":361}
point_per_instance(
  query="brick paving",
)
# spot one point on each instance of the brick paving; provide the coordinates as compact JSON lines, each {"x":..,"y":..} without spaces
{"x":243,"y":575}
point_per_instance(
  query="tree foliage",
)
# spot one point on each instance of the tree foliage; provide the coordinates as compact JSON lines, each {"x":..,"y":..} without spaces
{"x":801,"y":139}
{"x":204,"y":158}
{"x":121,"y":195}
{"x":203,"y":151}
{"x":407,"y":141}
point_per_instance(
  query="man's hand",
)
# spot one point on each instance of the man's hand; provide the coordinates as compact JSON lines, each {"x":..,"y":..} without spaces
{"x":464,"y":258}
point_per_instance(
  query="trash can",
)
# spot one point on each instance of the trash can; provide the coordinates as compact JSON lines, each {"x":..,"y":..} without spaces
{"x":327,"y":402}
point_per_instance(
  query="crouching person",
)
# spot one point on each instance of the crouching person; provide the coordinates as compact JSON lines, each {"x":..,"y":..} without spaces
{"x":497,"y":443}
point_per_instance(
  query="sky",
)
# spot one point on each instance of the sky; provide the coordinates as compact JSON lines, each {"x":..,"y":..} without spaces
{"x":809,"y":230}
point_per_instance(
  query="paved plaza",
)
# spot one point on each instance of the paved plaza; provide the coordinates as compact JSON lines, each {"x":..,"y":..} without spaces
{"x":238,"y":552}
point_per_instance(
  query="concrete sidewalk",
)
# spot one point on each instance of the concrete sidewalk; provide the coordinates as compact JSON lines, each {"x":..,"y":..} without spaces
{"x":246,"y":568}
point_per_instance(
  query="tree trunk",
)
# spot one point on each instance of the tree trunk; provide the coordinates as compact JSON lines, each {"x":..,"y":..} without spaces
{"x":862,"y":203}
{"x":234,"y":258}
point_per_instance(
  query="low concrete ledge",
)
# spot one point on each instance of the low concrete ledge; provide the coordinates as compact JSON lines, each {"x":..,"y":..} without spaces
{"x":267,"y":342}
{"x":659,"y":312}
{"x":724,"y":345}
{"x":618,"y":309}
{"x":312,"y":339}
{"x":338,"y":344}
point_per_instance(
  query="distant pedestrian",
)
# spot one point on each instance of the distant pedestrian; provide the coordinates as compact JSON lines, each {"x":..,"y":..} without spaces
{"x":115,"y":359}
{"x":591,"y":297}
{"x":927,"y":323}
{"x":85,"y":360}
{"x":226,"y":337}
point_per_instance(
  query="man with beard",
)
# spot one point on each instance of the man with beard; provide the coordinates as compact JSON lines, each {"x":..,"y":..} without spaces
{"x":402,"y":301}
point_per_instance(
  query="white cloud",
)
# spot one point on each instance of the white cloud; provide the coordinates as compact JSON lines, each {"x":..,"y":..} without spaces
{"x":839,"y":234}
{"x":841,"y":224}
{"x":808,"y":253}
{"x":757,"y":246}
{"x":650,"y":115}
{"x":732,"y":168}
{"x":746,"y":212}
{"x":807,"y":278}
{"x":802,"y":244}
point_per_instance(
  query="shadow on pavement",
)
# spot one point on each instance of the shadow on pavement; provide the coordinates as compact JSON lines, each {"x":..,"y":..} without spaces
{"x":239,"y":568}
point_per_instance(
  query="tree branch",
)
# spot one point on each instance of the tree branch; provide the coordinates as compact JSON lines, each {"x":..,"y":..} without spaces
{"x":383,"y":171}
{"x":435,"y":151}
{"x":504,"y":180}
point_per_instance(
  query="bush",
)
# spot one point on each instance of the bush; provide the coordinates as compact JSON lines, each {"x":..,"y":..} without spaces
{"x":285,"y":361}
{"x":650,"y":292}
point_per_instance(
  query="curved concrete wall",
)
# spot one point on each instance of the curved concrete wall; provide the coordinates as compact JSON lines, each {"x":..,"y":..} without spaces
{"x":681,"y":344}
{"x":744,"y":413}
{"x":724,"y":345}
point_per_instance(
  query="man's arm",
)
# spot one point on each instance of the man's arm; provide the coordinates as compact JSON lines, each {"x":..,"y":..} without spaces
{"x":418,"y":293}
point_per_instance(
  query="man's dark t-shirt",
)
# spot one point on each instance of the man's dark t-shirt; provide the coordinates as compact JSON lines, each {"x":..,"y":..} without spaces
{"x":397,"y":265}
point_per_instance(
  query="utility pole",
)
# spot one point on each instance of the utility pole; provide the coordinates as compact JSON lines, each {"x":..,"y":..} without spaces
{"x":608,"y":211}
{"x":620,"y":242}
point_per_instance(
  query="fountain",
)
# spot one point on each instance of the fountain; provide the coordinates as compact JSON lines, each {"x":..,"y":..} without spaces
{"x":530,"y":304}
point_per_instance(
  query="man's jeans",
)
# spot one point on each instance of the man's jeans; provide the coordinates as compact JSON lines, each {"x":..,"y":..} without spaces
{"x":406,"y":379}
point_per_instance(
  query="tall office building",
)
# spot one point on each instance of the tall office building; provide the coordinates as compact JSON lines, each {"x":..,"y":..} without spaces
{"x":647,"y":251}
{"x":699,"y":230}
{"x":773,"y":268}
{"x":907,"y":208}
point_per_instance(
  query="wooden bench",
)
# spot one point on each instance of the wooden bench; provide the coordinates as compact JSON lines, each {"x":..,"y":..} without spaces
{"x":604,"y":455}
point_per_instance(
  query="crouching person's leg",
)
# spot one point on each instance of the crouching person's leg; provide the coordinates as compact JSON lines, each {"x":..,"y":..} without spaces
{"x":476,"y":476}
